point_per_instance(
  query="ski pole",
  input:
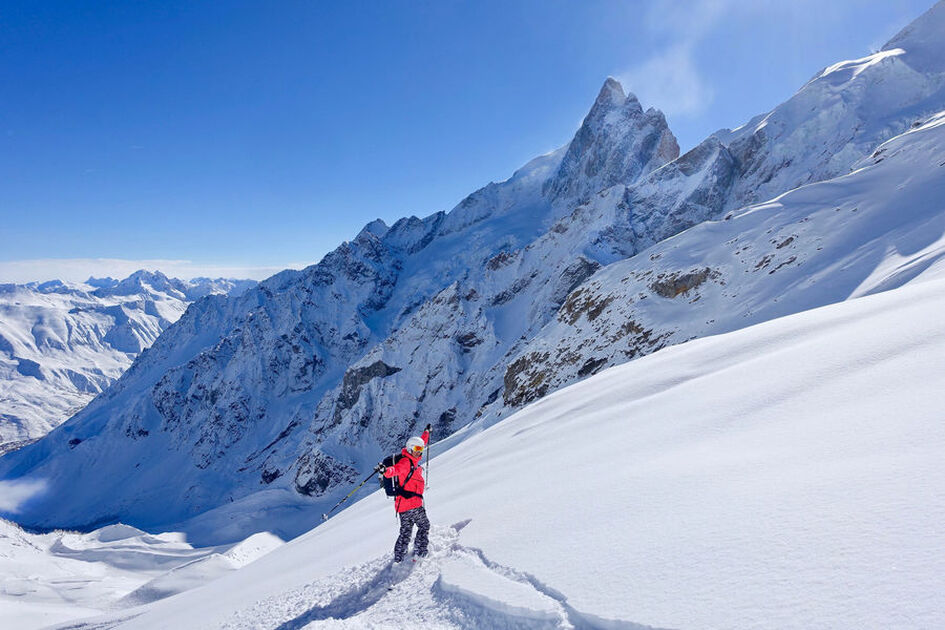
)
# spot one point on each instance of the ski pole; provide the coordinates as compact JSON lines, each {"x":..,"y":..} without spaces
{"x":429,"y":440}
{"x":345,"y":498}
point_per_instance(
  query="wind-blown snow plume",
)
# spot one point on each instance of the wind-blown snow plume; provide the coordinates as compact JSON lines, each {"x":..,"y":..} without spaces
{"x":13,"y":494}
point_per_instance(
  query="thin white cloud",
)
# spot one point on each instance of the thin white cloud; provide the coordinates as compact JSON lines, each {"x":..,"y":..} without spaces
{"x":13,"y":494}
{"x":687,"y":20}
{"x":670,"y":79}
{"x":670,"y":82}
{"x":79,"y":269}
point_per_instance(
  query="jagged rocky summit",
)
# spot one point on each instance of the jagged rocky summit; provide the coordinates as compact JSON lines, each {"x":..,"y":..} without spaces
{"x":256,"y":403}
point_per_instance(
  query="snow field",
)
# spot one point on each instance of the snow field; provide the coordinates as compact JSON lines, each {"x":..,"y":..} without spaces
{"x":451,"y":588}
{"x":785,"y":475}
{"x":60,"y":576}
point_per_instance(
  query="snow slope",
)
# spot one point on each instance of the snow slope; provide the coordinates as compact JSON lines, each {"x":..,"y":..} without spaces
{"x":62,"y":344}
{"x":48,"y":578}
{"x":785,"y":475}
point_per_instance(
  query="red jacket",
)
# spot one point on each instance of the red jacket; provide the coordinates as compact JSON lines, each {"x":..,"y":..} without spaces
{"x":401,"y":470}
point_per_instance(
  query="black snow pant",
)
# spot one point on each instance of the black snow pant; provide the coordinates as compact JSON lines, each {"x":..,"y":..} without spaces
{"x":418,"y":517}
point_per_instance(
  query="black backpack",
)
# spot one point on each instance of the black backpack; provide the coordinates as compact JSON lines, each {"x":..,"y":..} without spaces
{"x":392,"y":488}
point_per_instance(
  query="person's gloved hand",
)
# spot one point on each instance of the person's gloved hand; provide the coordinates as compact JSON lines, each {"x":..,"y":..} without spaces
{"x":380,"y":468}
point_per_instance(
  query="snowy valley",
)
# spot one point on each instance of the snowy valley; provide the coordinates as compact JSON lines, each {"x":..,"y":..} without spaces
{"x":63,"y":575}
{"x":667,"y":391}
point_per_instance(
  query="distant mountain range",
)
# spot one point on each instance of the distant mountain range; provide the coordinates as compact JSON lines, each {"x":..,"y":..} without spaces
{"x":61,"y":343}
{"x":612,"y":247}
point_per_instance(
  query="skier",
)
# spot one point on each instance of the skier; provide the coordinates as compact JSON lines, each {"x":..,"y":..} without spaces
{"x":408,"y":503}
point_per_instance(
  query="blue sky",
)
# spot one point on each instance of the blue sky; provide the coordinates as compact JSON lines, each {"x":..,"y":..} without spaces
{"x":243,"y":137}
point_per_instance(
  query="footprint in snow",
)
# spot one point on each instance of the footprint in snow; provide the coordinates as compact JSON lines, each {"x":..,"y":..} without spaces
{"x":453,"y":587}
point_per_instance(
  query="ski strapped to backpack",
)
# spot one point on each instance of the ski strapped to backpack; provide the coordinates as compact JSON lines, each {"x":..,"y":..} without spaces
{"x":393,"y":489}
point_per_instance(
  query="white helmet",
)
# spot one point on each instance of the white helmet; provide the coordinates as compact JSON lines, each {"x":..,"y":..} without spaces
{"x":415,"y":446}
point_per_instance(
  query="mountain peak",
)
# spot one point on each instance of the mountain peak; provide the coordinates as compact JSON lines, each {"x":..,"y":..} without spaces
{"x":143,"y":280}
{"x":922,"y":40}
{"x":377,"y":227}
{"x":612,"y":99}
{"x":145,"y":275}
{"x":101,"y":283}
{"x":616,"y":144}
{"x":927,"y":26}
{"x":611,"y":93}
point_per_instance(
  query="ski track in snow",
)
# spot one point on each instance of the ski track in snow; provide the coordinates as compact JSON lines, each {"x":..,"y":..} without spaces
{"x":378,"y":594}
{"x":106,"y":625}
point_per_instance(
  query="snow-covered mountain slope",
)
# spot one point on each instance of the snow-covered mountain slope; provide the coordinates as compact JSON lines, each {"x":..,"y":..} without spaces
{"x":62,"y":344}
{"x":785,"y":475}
{"x":842,"y":113}
{"x":224,"y":403}
{"x":279,"y":397}
{"x":49,"y":578}
{"x":875,"y":229}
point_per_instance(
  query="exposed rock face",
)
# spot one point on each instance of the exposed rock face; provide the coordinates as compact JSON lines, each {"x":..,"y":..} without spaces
{"x":617,"y":143}
{"x":357,"y":378}
{"x":523,"y":382}
{"x":683,"y":193}
{"x":572,"y":277}
{"x":318,"y":473}
{"x":675,"y":284}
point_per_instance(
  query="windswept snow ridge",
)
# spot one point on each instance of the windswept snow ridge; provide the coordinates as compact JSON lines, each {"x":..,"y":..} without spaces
{"x":842,"y":113}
